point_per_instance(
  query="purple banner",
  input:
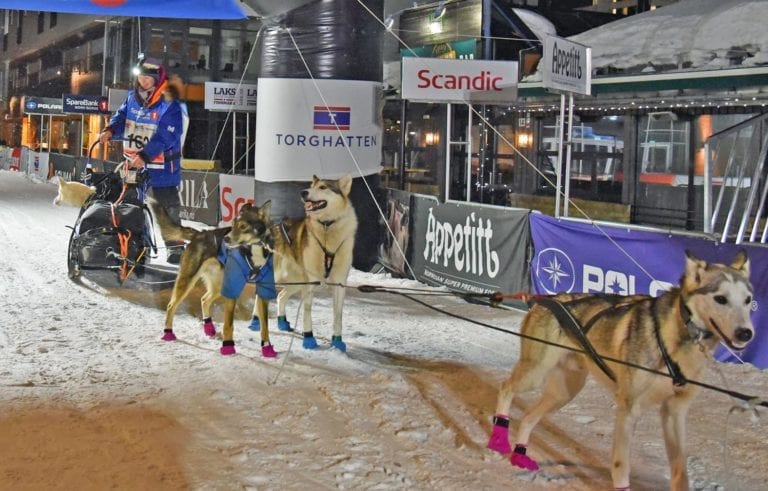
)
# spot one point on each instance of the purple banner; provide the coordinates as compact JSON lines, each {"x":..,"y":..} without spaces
{"x":572,"y":256}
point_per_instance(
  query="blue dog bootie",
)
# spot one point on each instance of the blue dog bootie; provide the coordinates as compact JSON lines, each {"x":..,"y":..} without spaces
{"x":283,"y":324}
{"x":254,"y":325}
{"x":337,"y":343}
{"x":309,"y":341}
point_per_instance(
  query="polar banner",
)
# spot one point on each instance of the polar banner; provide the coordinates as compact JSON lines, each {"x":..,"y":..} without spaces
{"x":445,"y":80}
{"x":323,"y":127}
{"x":573,"y":256}
{"x":235,"y":191}
{"x":469,"y":248}
{"x":224,"y":96}
{"x":198,"y":199}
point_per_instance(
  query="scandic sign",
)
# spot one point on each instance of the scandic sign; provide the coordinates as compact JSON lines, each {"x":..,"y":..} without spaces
{"x":441,"y":80}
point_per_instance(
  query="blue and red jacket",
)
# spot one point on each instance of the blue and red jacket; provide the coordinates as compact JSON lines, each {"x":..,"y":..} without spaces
{"x":154,"y":132}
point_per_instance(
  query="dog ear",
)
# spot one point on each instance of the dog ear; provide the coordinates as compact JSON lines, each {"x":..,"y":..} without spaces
{"x":265,"y":209}
{"x":345,"y":184}
{"x":692,"y":265}
{"x":741,"y":262}
{"x":314,"y":179}
{"x":245,"y":208}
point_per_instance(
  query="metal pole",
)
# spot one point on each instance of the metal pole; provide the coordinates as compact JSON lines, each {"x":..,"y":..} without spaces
{"x":234,"y":140}
{"x":469,"y":156}
{"x":449,"y":109}
{"x":558,"y":168}
{"x":568,"y":143}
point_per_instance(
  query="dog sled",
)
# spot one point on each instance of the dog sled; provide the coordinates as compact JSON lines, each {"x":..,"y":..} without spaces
{"x":112,"y":240}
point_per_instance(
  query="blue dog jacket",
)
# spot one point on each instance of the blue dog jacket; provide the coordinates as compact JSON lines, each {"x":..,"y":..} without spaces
{"x":238,"y":272}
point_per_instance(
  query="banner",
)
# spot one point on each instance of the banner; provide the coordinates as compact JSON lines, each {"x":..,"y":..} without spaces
{"x":469,"y":247}
{"x":178,"y":9}
{"x":571,"y":256}
{"x":235,"y":191}
{"x":322,"y":127}
{"x":197,"y":192}
{"x":41,"y":105}
{"x":394,"y":251}
{"x":85,"y":104}
{"x":223,"y":96}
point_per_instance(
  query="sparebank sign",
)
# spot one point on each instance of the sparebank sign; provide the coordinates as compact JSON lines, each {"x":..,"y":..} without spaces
{"x":446,"y":80}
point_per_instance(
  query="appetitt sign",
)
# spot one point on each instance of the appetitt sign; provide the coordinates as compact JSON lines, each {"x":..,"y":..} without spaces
{"x":566,"y":66}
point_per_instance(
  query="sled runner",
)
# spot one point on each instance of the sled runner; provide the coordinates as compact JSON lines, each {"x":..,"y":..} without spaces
{"x":113,"y":239}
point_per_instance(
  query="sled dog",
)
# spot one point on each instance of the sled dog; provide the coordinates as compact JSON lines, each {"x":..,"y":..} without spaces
{"x":204,"y":260}
{"x":674,"y":333}
{"x":316,"y":249}
{"x":72,"y":193}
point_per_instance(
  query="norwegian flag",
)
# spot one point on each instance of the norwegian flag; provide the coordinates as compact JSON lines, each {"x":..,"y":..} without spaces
{"x":331,"y":117}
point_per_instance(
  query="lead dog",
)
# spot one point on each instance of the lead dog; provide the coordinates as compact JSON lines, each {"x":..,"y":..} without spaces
{"x":72,"y":193}
{"x":317,"y":249}
{"x":676,"y":332}
{"x":203,"y":260}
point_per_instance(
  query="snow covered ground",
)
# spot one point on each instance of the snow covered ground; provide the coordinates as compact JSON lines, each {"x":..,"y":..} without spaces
{"x":91,"y":398}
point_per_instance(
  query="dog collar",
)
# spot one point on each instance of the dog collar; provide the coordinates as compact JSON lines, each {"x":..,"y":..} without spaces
{"x":697,"y":333}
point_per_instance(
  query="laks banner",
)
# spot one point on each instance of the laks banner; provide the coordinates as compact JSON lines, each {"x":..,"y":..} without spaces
{"x":328,"y":128}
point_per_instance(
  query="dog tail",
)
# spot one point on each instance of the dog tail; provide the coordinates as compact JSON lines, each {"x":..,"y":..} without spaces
{"x":168,"y":229}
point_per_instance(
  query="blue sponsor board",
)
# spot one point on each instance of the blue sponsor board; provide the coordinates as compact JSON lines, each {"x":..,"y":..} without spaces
{"x":85,"y":104}
{"x":570,"y":256}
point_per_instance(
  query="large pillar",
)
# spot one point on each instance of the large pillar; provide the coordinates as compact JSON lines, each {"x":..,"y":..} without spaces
{"x":323,"y":54}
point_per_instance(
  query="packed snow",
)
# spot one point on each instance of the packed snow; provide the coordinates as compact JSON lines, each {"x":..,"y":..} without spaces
{"x":93,"y":399}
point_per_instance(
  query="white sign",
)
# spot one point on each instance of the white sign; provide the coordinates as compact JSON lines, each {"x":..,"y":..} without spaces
{"x":222,"y":96}
{"x":566,"y":66}
{"x":445,"y":80}
{"x":116,"y":98}
{"x":324,"y":127}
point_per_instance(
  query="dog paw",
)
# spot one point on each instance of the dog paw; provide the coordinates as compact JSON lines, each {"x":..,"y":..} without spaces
{"x":209,"y":329}
{"x":309,"y":342}
{"x":523,"y":461}
{"x":337,"y":343}
{"x":168,"y":336}
{"x":267,"y":351}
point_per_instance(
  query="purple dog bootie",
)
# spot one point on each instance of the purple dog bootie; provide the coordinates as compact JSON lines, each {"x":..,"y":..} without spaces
{"x":208,"y":327}
{"x":519,"y":459}
{"x":499,"y":440}
{"x":227,"y":348}
{"x":168,"y":335}
{"x":267,"y":351}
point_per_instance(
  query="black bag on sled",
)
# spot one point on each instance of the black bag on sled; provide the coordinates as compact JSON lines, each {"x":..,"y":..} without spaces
{"x":100,"y":239}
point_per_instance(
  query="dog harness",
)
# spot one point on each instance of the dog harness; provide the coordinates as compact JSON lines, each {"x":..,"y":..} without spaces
{"x":239,"y":270}
{"x":328,"y":256}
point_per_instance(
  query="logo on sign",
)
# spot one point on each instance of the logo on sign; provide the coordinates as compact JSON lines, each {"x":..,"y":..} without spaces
{"x":31,"y":105}
{"x":331,"y":117}
{"x":555,"y":271}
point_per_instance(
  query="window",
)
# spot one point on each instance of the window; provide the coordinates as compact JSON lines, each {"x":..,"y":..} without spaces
{"x":19,"y":31}
{"x":40,"y":22}
{"x":53,"y":20}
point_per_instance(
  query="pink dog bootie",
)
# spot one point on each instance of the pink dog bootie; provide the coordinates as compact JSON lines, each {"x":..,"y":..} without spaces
{"x":227,"y":348}
{"x":208,"y":327}
{"x":499,"y":440}
{"x":267,"y":351}
{"x":519,"y":459}
{"x":168,"y":335}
